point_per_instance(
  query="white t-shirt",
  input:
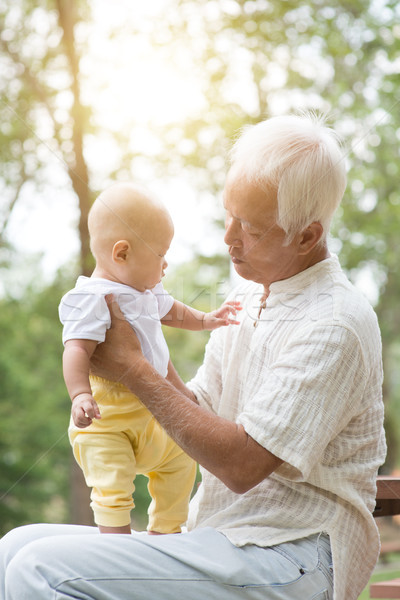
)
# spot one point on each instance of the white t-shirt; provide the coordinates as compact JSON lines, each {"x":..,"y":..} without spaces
{"x":84,"y":313}
{"x":306,"y":384}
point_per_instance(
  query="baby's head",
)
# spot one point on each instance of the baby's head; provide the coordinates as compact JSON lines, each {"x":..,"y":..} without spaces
{"x":130,"y":233}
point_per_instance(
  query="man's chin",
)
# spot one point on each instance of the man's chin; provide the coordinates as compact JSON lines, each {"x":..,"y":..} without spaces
{"x":241,"y":270}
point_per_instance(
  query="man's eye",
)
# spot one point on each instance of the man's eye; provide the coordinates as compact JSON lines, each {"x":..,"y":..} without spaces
{"x":249,"y":229}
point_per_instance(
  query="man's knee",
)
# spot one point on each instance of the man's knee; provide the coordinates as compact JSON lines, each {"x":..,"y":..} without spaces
{"x":14,"y":541}
{"x":25,"y":576}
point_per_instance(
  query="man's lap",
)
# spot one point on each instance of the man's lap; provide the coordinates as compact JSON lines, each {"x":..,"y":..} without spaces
{"x":77,"y":562}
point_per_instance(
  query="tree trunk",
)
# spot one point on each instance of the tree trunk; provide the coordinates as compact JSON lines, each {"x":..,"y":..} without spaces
{"x":77,"y":168}
{"x":388,"y":316}
{"x":81,"y":512}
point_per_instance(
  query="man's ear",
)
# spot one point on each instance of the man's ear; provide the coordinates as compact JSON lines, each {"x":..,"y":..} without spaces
{"x":310,"y":237}
{"x":120,"y":251}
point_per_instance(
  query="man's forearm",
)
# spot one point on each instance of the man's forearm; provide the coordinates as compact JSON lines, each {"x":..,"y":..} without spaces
{"x":177,"y":382}
{"x":219,"y":445}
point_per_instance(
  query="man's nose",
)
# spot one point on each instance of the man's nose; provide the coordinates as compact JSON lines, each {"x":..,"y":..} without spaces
{"x":232,"y":232}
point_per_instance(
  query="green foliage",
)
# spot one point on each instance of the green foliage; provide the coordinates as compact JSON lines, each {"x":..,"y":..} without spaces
{"x":202,"y":283}
{"x":34,"y":411}
{"x":35,"y":455}
{"x":251,"y":59}
{"x":338,"y":58}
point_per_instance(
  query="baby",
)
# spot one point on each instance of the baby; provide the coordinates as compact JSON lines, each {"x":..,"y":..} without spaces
{"x":112,"y":434}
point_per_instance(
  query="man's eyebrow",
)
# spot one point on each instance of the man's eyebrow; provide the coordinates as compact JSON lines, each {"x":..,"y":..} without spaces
{"x":244,"y":222}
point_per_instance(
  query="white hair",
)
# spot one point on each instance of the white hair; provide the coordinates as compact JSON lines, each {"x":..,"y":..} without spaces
{"x":299,"y":159}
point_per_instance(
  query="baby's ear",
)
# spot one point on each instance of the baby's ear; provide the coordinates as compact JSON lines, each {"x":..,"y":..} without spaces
{"x":120,"y":251}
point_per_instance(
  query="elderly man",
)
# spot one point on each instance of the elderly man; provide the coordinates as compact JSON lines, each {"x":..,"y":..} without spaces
{"x":284,"y":416}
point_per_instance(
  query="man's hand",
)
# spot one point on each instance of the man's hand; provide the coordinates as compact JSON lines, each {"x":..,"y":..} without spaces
{"x":120,"y":353}
{"x":84,"y":410}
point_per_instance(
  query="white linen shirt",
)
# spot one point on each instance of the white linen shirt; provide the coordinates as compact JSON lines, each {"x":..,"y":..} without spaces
{"x":84,"y":313}
{"x":306,"y":384}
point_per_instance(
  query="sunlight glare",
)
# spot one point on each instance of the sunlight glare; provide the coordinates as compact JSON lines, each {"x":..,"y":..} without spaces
{"x":131,"y":78}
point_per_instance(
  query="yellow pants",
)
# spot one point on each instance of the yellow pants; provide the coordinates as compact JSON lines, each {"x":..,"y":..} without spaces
{"x":128,"y":440}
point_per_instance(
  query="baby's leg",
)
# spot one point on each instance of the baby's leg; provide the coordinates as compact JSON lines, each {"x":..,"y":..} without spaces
{"x":109,"y":466}
{"x":122,"y":529}
{"x":170,"y":487}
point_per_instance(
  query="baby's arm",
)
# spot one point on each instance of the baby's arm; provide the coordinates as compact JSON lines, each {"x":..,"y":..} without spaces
{"x":186,"y":317}
{"x":76,"y":360}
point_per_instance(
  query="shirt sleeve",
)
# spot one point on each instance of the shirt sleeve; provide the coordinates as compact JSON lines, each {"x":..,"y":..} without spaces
{"x":84,"y":315}
{"x":164,"y":300}
{"x":307,"y":396}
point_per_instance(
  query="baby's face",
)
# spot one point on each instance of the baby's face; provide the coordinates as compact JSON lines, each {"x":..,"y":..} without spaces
{"x":146,"y":263}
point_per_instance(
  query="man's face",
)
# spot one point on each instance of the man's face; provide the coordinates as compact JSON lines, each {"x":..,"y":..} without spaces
{"x":256,"y":242}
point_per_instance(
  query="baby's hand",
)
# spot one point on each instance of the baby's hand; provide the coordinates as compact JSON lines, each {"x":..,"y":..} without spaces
{"x":222,"y":316}
{"x":84,"y":410}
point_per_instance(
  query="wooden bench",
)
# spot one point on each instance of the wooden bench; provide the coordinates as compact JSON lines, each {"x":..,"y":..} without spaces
{"x":385,"y":589}
{"x":389,"y":548}
{"x":387,"y":504}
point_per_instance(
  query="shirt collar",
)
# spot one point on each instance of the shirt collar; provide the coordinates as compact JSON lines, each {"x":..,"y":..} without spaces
{"x":306,"y":277}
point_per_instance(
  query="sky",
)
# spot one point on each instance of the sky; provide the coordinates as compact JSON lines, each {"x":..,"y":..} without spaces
{"x":130,"y":84}
{"x":44,"y":222}
{"x":41,"y":226}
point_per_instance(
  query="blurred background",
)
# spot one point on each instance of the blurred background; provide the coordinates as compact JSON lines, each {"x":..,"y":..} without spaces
{"x":93,"y":92}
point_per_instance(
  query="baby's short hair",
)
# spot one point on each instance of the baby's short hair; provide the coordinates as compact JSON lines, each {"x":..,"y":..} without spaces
{"x":124,"y":210}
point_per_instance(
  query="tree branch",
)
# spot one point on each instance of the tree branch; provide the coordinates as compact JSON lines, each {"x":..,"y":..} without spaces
{"x":14,"y":199}
{"x":41,"y":93}
{"x":79,"y":172}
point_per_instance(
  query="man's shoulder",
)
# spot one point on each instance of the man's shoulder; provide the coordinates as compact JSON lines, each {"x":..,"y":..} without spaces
{"x":331,"y":289}
{"x":350,"y":304}
{"x":341,"y":311}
